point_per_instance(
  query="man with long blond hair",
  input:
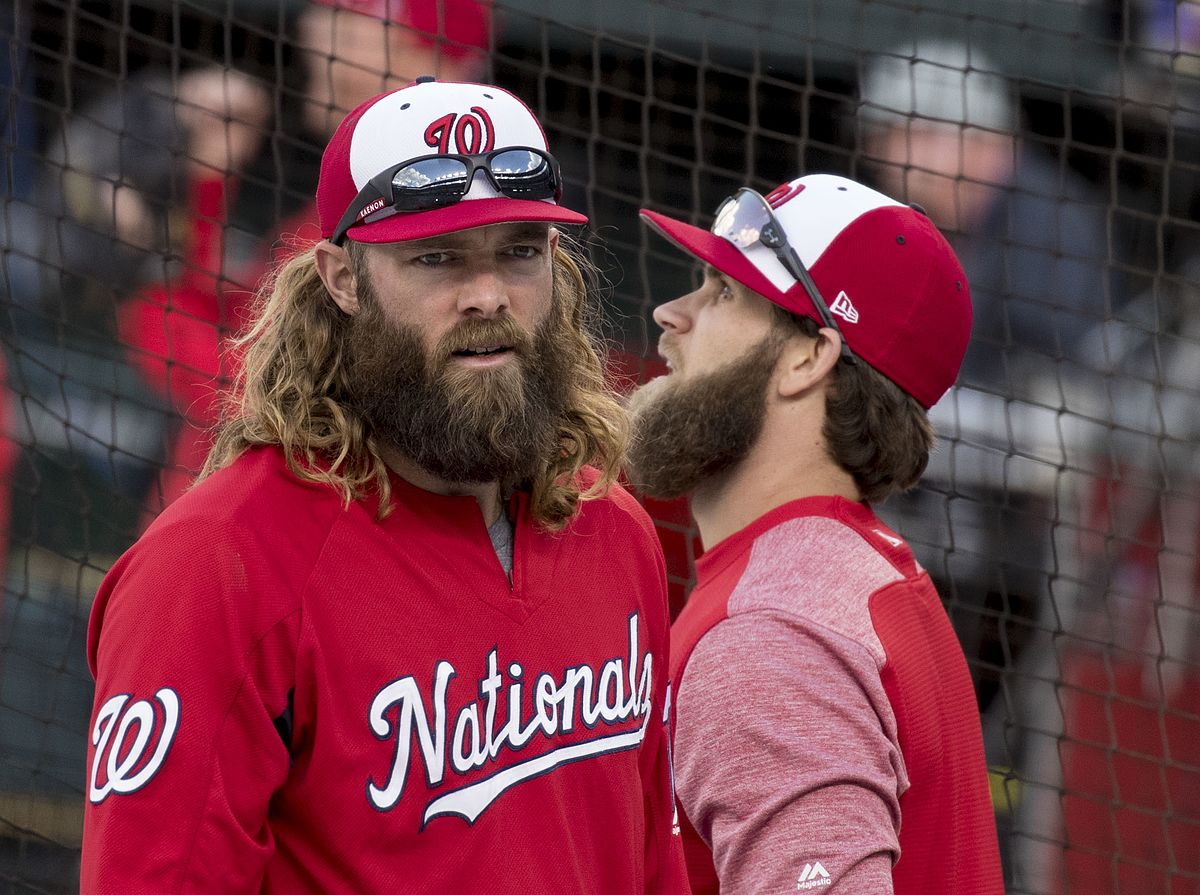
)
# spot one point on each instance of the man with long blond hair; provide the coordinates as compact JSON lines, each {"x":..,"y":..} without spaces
{"x":407,"y":633}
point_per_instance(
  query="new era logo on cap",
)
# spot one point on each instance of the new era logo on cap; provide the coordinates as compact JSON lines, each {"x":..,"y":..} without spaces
{"x":431,"y":118}
{"x":881,"y":265}
{"x":843,"y":307}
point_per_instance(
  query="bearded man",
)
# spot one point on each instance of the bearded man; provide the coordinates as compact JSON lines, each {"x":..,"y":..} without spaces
{"x":407,"y":633}
{"x":826,"y":732}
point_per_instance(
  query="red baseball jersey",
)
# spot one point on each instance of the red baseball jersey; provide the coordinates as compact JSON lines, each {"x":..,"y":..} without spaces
{"x":293,"y":696}
{"x":826,"y":729}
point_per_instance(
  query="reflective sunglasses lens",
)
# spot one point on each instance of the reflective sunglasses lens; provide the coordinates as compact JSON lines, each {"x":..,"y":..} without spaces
{"x":521,"y":174}
{"x":429,"y":183}
{"x":741,"y":219}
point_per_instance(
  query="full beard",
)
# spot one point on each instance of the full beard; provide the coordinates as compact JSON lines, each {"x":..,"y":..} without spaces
{"x":462,"y":425}
{"x":686,"y":433}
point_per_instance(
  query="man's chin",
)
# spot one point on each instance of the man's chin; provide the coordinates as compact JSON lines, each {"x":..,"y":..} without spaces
{"x":646,"y":395}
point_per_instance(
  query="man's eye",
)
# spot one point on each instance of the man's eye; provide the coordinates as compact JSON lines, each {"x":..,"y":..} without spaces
{"x":726,"y":292}
{"x":432,"y":259}
{"x":525,"y":251}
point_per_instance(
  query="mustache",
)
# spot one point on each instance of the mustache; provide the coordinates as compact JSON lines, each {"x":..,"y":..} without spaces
{"x":480,"y":333}
{"x":667,"y":347}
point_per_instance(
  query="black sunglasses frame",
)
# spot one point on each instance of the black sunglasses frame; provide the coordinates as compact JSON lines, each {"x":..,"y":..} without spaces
{"x":771,"y":235}
{"x":382,"y":186}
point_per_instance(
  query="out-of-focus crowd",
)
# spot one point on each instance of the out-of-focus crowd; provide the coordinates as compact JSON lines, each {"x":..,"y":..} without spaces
{"x":1060,"y":515}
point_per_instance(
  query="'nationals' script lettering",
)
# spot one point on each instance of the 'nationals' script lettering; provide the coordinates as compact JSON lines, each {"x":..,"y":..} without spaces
{"x":599,"y":700}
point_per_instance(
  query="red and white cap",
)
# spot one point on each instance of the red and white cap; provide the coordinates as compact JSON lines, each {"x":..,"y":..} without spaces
{"x":429,"y":118}
{"x":457,"y":27}
{"x":890,"y":278}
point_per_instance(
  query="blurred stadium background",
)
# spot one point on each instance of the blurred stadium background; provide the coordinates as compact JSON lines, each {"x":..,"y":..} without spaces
{"x":1058,"y":141}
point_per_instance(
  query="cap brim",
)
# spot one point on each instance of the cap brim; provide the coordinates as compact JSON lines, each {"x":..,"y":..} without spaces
{"x":464,"y":215}
{"x":720,"y":253}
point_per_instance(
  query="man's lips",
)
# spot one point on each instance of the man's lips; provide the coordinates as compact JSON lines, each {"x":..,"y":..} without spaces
{"x":486,"y":356}
{"x":667,"y":351}
{"x":486,"y":351}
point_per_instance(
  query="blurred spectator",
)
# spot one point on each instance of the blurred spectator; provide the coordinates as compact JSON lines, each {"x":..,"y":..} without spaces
{"x":1128,"y":740}
{"x":350,"y":50}
{"x":1128,"y":748}
{"x":113,"y":191}
{"x":942,"y":123}
{"x":943,"y":126}
{"x":17,"y":269}
{"x":18,"y":153}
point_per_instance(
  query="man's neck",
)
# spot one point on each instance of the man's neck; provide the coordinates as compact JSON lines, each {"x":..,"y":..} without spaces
{"x":486,"y":494}
{"x":772,"y":474}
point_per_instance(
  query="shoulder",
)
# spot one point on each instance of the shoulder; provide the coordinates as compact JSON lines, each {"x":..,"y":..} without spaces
{"x":256,"y":485}
{"x":249,"y":534}
{"x":824,"y":568}
{"x":616,"y":506}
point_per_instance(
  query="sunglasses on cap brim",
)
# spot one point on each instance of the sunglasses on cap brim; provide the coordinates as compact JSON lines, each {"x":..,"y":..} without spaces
{"x":436,"y":181}
{"x":745,"y":219}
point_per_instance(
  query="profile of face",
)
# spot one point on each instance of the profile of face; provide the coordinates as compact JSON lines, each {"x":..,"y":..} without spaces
{"x":701,"y":420}
{"x":457,"y":352}
{"x":350,"y":57}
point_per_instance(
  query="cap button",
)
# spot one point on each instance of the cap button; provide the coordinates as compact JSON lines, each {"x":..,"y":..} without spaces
{"x":425,"y":79}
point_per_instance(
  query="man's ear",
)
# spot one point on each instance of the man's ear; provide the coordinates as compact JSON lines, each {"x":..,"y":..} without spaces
{"x":807,"y":362}
{"x":333,"y":266}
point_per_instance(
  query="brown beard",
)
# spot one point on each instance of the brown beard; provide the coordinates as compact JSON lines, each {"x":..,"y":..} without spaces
{"x":462,"y":425}
{"x":687,"y":432}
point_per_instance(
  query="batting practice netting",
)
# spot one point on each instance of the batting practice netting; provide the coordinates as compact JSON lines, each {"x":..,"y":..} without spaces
{"x":154,"y":150}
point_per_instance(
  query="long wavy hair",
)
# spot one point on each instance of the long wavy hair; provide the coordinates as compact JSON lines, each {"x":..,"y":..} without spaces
{"x":292,"y":390}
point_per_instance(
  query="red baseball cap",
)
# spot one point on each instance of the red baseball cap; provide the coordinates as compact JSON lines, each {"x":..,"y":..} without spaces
{"x":458,"y":27}
{"x":428,"y":118}
{"x":893,"y":282}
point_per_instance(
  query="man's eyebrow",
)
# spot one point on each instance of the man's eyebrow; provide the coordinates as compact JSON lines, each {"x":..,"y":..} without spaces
{"x":442,"y":241}
{"x":528,"y":230}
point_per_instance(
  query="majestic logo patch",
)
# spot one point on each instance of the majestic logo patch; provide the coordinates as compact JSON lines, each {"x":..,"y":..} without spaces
{"x":813,"y":876}
{"x":126,"y":766}
{"x":601,"y":699}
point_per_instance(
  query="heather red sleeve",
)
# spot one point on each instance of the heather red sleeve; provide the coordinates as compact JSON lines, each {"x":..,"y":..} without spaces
{"x":787,"y":761}
{"x":194,"y":656}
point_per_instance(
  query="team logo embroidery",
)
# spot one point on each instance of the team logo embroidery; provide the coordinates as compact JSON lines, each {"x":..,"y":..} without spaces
{"x":783,"y":193}
{"x":603,"y":700}
{"x":470,"y":133}
{"x":127,"y":766}
{"x":813,"y":876}
{"x":844,"y":308}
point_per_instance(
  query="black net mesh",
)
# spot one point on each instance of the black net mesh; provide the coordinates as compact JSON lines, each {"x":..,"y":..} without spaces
{"x":154,"y":152}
